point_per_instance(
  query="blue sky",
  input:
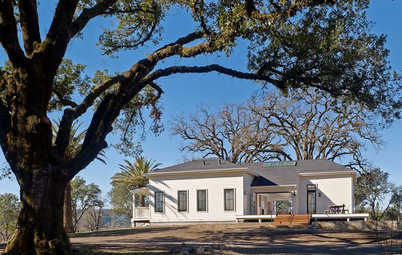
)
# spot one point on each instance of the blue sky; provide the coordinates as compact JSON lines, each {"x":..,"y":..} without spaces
{"x":183,"y":93}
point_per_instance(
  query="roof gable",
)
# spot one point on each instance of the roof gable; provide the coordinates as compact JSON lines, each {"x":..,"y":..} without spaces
{"x":275,"y":174}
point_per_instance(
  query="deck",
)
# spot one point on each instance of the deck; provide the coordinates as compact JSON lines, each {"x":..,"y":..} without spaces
{"x":315,"y":217}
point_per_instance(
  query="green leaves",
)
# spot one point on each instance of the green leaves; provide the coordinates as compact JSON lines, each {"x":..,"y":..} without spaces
{"x":132,"y":174}
{"x":9,"y":208}
{"x":69,"y":79}
{"x":330,"y":49}
{"x":84,"y":196}
{"x":121,"y":199}
{"x":138,"y":23}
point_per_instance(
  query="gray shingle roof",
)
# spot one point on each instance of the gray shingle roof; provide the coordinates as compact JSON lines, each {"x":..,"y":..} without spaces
{"x":284,"y":175}
{"x":266,"y":176}
{"x":204,"y":164}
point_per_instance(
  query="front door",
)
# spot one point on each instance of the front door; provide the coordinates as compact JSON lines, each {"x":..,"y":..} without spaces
{"x":311,"y":198}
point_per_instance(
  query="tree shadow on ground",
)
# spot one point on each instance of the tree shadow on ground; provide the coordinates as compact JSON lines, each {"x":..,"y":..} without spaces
{"x":121,"y":232}
{"x":233,"y":240}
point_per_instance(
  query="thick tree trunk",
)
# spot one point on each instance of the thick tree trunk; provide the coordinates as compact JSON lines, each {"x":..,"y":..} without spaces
{"x":68,"y":210}
{"x":40,"y":223}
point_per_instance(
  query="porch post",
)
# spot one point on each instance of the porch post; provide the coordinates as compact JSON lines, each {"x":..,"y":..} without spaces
{"x":134,"y":216}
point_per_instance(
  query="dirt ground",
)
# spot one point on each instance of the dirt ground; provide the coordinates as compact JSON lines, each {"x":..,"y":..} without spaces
{"x":246,"y":238}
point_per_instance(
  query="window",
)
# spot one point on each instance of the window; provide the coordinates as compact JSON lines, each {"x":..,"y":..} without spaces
{"x":202,"y":200}
{"x":158,"y":201}
{"x":229,"y":197}
{"x":182,"y":201}
{"x":311,"y":198}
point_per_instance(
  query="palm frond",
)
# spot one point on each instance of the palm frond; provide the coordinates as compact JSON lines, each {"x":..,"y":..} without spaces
{"x":132,"y":173}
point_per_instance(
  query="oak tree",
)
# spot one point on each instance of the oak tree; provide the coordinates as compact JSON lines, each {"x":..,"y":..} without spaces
{"x":371,"y":189}
{"x":300,"y":126}
{"x":304,"y":43}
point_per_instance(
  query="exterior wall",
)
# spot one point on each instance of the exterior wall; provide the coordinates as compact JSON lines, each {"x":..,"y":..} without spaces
{"x":249,"y":204}
{"x":213,"y":183}
{"x":334,"y":190}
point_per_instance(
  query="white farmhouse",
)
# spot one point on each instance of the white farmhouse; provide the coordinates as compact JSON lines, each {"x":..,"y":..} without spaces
{"x":214,"y":190}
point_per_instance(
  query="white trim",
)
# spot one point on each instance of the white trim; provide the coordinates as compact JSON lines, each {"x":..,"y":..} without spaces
{"x":225,"y":170}
{"x":340,"y":216}
{"x":333,"y":173}
{"x":274,"y":188}
{"x":141,"y":191}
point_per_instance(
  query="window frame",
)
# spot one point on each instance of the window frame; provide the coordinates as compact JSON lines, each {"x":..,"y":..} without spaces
{"x":178,"y":200}
{"x":311,"y":188}
{"x":162,"y":202}
{"x":206,"y":200}
{"x":234,"y":200}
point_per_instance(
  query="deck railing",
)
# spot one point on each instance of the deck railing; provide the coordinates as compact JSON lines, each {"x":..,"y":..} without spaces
{"x":141,"y":213}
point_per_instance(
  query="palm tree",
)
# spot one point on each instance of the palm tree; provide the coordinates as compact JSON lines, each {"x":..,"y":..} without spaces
{"x":132,"y":174}
{"x":72,"y":149}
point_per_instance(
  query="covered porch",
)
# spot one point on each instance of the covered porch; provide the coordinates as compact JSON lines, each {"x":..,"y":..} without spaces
{"x":140,"y":214}
{"x":273,"y":200}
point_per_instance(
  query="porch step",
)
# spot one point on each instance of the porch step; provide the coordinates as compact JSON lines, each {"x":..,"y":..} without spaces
{"x":292,"y":219}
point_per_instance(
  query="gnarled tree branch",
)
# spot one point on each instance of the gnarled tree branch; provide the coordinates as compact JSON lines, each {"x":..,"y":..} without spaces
{"x":88,"y":14}
{"x":206,"y":69}
{"x":29,"y":25}
{"x":8,"y":32}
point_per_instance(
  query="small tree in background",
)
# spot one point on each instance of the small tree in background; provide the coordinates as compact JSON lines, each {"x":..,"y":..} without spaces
{"x":84,"y":197}
{"x":94,"y":215}
{"x":9,"y":208}
{"x":371,"y":189}
{"x":121,"y":199}
{"x":132,"y":174}
{"x":394,"y":210}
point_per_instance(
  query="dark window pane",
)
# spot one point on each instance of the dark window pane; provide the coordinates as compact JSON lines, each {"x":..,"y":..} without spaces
{"x":158,"y":201}
{"x":182,"y":201}
{"x":229,"y":199}
{"x":201,"y":200}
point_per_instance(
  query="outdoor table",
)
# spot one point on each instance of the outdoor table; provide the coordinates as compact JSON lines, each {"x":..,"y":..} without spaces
{"x":337,"y":208}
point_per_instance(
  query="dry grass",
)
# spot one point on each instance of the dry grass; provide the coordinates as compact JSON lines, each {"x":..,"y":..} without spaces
{"x":226,"y":239}
{"x":245,"y":238}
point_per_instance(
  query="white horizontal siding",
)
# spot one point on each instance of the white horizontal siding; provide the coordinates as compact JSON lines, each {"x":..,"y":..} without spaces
{"x":334,"y":190}
{"x":214,"y":184}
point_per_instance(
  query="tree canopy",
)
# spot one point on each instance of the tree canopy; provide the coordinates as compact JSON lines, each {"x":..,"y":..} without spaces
{"x":322,"y":44}
{"x":304,"y":125}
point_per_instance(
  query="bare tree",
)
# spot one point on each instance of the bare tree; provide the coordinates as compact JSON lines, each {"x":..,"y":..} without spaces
{"x":315,"y":126}
{"x":233,"y":134}
{"x":303,"y":125}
